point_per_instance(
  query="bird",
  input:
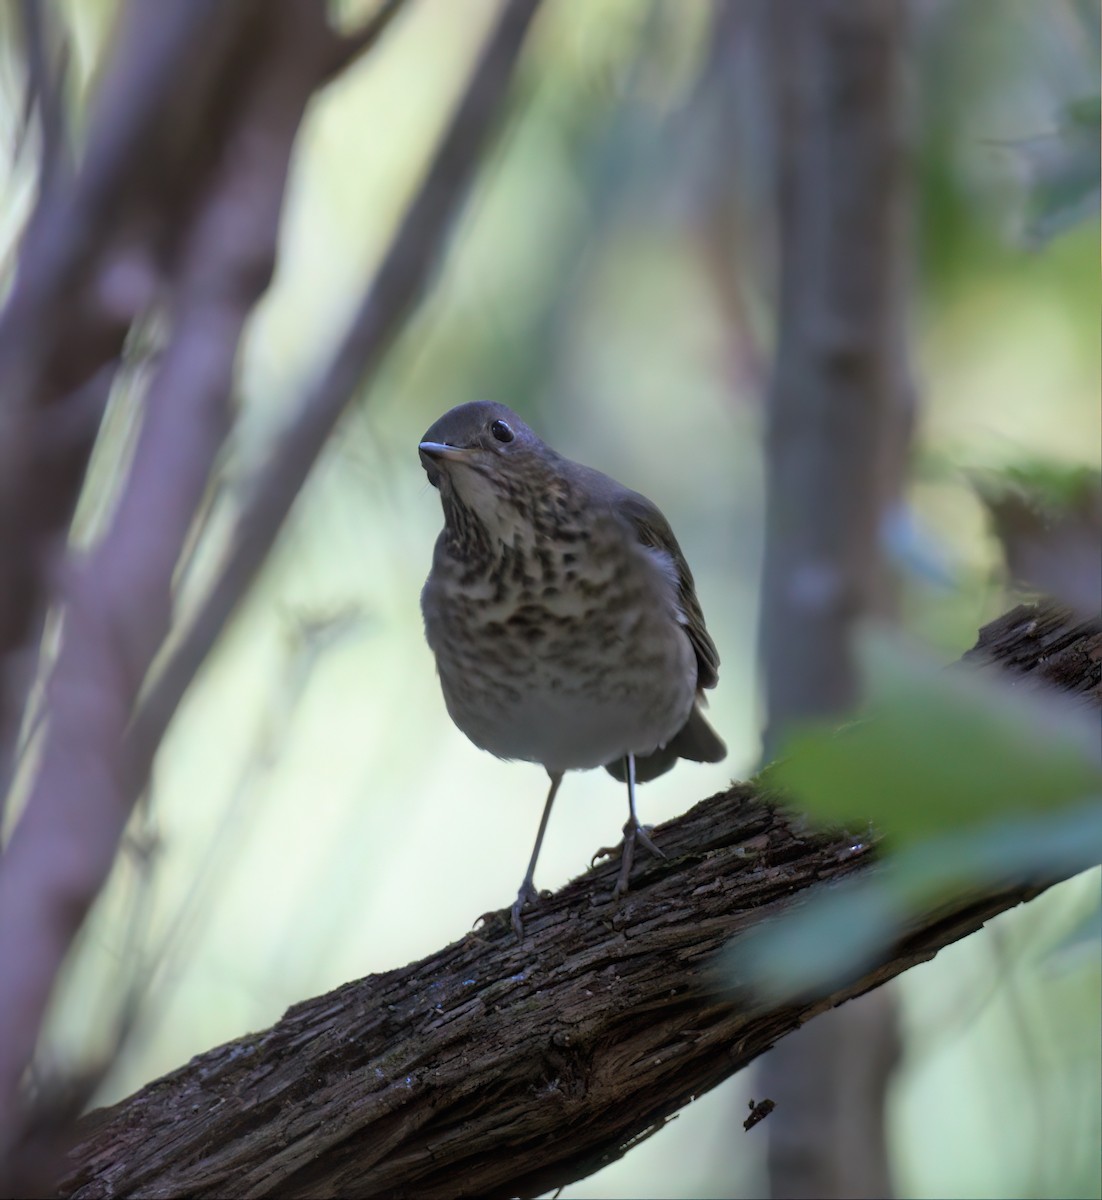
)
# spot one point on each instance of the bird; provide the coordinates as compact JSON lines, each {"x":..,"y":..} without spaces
{"x":563,"y":618}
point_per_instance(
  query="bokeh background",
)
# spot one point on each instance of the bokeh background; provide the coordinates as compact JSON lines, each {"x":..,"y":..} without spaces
{"x":315,"y":815}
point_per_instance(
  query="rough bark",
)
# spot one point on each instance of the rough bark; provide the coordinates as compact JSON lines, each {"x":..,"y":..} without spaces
{"x":493,"y":1068}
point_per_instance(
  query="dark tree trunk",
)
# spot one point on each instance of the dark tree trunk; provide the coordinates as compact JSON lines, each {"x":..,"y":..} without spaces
{"x":839,"y":421}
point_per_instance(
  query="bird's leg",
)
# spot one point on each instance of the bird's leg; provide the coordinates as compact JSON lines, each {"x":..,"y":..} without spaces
{"x":527,"y":892}
{"x":633,"y":832}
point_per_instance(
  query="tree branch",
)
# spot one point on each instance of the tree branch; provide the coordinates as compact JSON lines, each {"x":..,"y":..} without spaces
{"x":217,"y":191}
{"x":493,"y":1068}
{"x":235,"y":140}
{"x":403,"y":274}
{"x":52,"y":338}
{"x":47,"y":61}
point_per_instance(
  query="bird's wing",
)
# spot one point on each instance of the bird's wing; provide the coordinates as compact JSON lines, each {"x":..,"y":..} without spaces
{"x":653,"y":530}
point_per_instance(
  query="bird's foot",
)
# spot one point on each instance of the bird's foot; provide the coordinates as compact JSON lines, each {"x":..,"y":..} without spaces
{"x":526,"y":895}
{"x":633,"y":832}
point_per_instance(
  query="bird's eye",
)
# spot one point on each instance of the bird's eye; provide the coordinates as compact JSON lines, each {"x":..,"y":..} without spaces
{"x":502,"y":431}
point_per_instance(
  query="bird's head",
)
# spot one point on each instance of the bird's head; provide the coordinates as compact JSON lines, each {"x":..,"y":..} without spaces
{"x":486,"y":464}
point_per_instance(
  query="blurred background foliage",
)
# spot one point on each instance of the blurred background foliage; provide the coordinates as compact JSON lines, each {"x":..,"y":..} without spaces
{"x":315,"y":815}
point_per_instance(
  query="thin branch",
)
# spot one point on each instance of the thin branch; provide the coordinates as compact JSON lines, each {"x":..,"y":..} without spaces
{"x":60,"y":437}
{"x":498,"y":1068}
{"x":403,"y":275}
{"x":54,"y":334}
{"x":70,"y":227}
{"x":118,"y":597}
{"x":45,"y":88}
{"x":94,"y":761}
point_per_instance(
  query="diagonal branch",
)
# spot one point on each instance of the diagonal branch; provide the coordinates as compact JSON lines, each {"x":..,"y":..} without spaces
{"x":228,"y":155}
{"x":493,"y":1068}
{"x":55,"y":335}
{"x":402,"y":276}
{"x":94,"y":759}
{"x":117,"y":609}
{"x":47,"y":59}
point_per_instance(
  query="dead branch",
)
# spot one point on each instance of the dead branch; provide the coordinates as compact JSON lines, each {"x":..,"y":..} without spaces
{"x":493,"y":1068}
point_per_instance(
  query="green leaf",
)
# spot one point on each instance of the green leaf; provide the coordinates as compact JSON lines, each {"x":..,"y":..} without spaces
{"x":940,"y":749}
{"x":838,"y":931}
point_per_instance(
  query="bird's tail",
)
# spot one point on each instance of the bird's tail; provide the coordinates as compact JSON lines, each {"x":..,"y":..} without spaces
{"x":697,"y":741}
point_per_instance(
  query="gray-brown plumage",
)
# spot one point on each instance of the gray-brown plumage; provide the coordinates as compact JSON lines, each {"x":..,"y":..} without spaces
{"x":562,"y":615}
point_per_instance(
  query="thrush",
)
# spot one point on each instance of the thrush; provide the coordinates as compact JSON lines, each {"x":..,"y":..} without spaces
{"x":562,"y":615}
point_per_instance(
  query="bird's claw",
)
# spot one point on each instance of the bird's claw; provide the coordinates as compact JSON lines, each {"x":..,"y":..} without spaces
{"x":486,"y":919}
{"x":633,"y":832}
{"x":526,"y":895}
{"x":604,"y":852}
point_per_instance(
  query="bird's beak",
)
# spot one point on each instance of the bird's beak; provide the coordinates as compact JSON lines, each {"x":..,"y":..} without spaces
{"x":441,"y":450}
{"x":433,"y":454}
